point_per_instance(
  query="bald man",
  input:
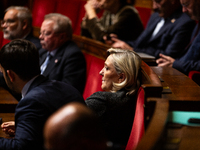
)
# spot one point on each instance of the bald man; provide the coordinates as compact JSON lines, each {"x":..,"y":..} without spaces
{"x":74,"y":127}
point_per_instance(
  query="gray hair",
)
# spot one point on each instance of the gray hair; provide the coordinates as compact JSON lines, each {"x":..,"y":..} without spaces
{"x":129,"y":63}
{"x":62,"y":23}
{"x":23,"y":14}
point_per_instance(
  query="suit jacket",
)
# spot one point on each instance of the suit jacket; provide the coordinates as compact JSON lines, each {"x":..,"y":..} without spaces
{"x":171,"y":39}
{"x":116,"y":112}
{"x":42,"y":99}
{"x":191,"y":60}
{"x":34,"y":40}
{"x":68,"y":65}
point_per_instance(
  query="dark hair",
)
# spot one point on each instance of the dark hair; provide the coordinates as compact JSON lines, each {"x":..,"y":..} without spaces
{"x":127,"y":2}
{"x":22,"y":57}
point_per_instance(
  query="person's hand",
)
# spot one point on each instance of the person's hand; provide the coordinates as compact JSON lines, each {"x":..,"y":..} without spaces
{"x":8,"y":127}
{"x":165,"y":61}
{"x":120,"y":44}
{"x":108,"y":38}
{"x":91,"y":8}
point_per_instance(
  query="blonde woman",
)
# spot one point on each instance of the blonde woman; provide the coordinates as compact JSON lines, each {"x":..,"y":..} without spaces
{"x":115,"y":106}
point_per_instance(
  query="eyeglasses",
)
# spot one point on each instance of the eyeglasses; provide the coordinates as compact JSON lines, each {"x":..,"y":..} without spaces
{"x":7,"y":22}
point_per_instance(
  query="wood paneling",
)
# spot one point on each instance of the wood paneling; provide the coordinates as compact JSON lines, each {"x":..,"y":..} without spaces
{"x":144,"y":3}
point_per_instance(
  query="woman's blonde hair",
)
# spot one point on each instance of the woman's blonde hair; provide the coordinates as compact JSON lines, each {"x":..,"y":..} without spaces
{"x":129,"y":63}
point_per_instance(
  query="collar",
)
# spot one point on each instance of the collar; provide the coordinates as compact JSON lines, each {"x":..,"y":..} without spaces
{"x":53,"y":53}
{"x":27,"y":85}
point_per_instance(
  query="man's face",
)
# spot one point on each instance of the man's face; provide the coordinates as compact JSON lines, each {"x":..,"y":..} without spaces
{"x":48,"y":38}
{"x":162,"y":7}
{"x":12,"y":26}
{"x":191,"y":8}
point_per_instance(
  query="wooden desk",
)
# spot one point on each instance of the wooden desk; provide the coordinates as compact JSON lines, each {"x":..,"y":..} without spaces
{"x":6,"y":117}
{"x":185,"y":93}
{"x":7,"y":102}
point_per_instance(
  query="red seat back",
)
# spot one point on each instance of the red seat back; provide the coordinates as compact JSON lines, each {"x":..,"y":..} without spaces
{"x":40,"y":9}
{"x":195,"y":76}
{"x":71,"y":9}
{"x":93,"y":80}
{"x":145,"y":14}
{"x":138,"y":123}
{"x":2,"y":40}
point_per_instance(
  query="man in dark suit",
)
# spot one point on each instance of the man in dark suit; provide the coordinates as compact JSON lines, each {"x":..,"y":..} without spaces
{"x":17,"y":24}
{"x":191,"y":60}
{"x":19,"y":63}
{"x":168,"y":31}
{"x":65,"y":61}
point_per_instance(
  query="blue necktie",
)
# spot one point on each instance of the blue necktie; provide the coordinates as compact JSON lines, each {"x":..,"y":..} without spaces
{"x":44,"y":65}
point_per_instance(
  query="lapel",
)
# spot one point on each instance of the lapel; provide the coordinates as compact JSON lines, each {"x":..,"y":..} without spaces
{"x":168,"y":22}
{"x":38,"y":80}
{"x":54,"y":61}
{"x":146,"y":35}
{"x":43,"y":55}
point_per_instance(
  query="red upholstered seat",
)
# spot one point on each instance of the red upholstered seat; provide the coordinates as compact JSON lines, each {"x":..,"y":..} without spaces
{"x":40,"y":9}
{"x":71,"y":9}
{"x":94,"y":80}
{"x":77,"y":29}
{"x":138,"y":123}
{"x":145,"y":14}
{"x":195,"y":76}
{"x":2,"y":40}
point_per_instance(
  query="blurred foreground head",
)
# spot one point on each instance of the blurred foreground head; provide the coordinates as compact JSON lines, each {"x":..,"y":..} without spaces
{"x":74,"y":127}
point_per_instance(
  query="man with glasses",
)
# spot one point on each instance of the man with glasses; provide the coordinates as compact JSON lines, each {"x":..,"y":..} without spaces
{"x":60,"y":58}
{"x":191,"y":60}
{"x":17,"y":24}
{"x":168,"y":31}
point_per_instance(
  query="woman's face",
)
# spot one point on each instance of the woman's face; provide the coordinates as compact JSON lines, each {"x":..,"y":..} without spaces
{"x":108,"y":4}
{"x":109,"y":75}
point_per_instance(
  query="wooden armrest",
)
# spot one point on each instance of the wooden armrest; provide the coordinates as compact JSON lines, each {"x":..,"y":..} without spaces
{"x":156,"y":126}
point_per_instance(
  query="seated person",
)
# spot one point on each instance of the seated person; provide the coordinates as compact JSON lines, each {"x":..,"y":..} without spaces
{"x":60,"y":58}
{"x":168,"y":31}
{"x":74,"y":127}
{"x":17,"y":24}
{"x":19,"y":63}
{"x":116,"y":104}
{"x":119,"y":17}
{"x":191,"y":60}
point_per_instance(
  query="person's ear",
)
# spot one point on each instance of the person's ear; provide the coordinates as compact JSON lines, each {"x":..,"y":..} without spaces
{"x":11,"y":75}
{"x":122,"y":77}
{"x":24,"y":24}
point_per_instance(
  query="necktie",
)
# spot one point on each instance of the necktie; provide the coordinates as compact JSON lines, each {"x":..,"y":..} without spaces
{"x":44,"y":65}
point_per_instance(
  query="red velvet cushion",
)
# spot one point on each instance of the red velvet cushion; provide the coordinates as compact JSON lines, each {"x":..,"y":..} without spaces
{"x":70,"y":8}
{"x":40,"y":9}
{"x":1,"y":38}
{"x":77,"y":29}
{"x":138,"y":123}
{"x":94,"y":79}
{"x":145,"y":14}
{"x":195,"y":76}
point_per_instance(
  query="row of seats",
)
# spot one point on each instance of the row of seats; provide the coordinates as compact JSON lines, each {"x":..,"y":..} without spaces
{"x":74,"y":9}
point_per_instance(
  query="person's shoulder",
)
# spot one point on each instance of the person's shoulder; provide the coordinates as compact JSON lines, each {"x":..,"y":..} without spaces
{"x":128,"y":9}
